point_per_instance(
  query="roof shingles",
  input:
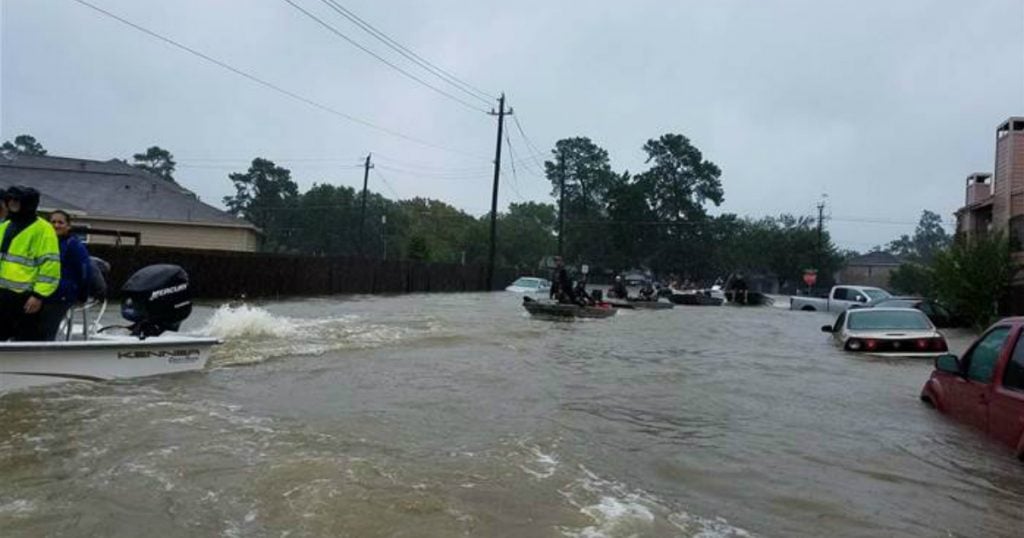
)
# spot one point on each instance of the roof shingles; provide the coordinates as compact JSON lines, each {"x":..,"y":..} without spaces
{"x":111,"y":189}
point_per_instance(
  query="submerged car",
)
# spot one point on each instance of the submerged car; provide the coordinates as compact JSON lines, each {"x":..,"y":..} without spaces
{"x":529,"y":284}
{"x":985,"y":387}
{"x":902,"y":332}
{"x":941,"y":316}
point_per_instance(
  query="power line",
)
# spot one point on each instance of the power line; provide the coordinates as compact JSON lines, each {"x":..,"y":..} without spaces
{"x":446,"y":76}
{"x":530,"y":145}
{"x":514,"y":184}
{"x":270,"y":85}
{"x":386,"y":184}
{"x":381,"y":59}
{"x":451,"y":177}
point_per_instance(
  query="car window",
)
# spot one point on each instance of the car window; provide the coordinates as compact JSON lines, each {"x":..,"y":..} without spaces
{"x":981,"y":362}
{"x":840,"y":294}
{"x":926,"y":307}
{"x":1013,"y":378}
{"x":941,"y":311}
{"x":875,"y":294}
{"x":884,"y":320}
{"x":839,"y":322}
{"x":897,"y":303}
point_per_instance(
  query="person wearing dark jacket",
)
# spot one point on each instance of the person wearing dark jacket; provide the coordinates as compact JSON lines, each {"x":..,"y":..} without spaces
{"x":619,"y":289}
{"x":29,"y":265}
{"x":561,"y":286}
{"x":75,"y":275}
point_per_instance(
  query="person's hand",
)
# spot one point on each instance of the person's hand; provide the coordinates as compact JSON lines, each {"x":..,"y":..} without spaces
{"x":33,"y":304}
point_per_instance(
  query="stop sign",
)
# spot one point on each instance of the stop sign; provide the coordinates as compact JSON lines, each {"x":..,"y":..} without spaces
{"x":810,"y":277}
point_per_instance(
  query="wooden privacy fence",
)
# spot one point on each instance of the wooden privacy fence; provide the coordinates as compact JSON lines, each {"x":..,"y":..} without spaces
{"x":221,"y":274}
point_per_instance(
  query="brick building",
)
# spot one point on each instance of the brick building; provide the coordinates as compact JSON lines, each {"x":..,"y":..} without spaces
{"x":996,"y":202}
{"x":871,"y":269}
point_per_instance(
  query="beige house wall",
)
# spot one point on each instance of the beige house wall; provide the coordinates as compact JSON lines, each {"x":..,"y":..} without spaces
{"x":176,"y":235}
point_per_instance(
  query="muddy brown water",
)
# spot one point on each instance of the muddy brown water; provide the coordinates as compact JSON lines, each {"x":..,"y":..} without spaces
{"x":459,"y":415}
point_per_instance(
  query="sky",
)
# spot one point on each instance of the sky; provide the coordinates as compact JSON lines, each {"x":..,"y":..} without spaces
{"x":880,"y":108}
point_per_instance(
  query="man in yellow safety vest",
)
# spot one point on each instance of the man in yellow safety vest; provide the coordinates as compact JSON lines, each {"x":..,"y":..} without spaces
{"x":29,"y":265}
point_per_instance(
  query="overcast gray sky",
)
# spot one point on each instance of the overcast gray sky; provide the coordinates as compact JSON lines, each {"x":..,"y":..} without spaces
{"x":883,"y":105}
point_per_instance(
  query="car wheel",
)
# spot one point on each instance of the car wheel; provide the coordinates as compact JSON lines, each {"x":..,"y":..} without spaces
{"x":809,"y":308}
{"x":927,"y":400}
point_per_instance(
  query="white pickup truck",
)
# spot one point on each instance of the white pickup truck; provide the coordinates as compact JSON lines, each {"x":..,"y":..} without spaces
{"x":839,"y":299}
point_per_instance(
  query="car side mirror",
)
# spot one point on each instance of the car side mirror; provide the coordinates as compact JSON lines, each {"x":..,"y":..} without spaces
{"x":826,"y":329}
{"x":862,"y":299}
{"x":948,"y":363}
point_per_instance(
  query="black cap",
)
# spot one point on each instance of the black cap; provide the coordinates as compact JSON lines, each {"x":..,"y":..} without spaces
{"x":28,"y":197}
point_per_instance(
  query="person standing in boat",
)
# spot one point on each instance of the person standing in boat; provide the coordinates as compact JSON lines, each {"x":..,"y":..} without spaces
{"x":619,"y":289}
{"x":561,"y":286}
{"x":75,"y":269}
{"x":29,"y":265}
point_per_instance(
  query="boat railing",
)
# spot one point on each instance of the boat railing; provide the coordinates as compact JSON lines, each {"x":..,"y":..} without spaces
{"x":68,"y":326}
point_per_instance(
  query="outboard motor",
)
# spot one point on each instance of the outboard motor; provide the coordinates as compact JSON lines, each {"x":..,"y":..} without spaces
{"x":156,"y":299}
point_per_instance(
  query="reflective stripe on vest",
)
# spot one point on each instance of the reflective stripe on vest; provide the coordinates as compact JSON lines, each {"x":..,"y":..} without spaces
{"x":15,"y":286}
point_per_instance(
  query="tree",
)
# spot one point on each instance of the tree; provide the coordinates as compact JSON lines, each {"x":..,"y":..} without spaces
{"x":266,"y":196}
{"x":588,"y":180}
{"x":680,"y":181}
{"x":929,"y":238}
{"x":418,"y":249}
{"x":157,"y":161}
{"x":973,"y":275}
{"x":24,"y":145}
{"x":528,"y":234}
{"x":678,"y":184}
{"x":913,"y":278}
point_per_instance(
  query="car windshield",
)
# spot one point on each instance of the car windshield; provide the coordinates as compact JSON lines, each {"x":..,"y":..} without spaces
{"x":527,"y":282}
{"x":876,"y":294}
{"x":878,"y":320}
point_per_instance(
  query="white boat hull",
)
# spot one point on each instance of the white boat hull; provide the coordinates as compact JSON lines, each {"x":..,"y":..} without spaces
{"x":30,"y":364}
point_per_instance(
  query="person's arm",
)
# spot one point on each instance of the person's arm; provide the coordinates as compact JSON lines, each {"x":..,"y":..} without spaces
{"x":84,"y":270}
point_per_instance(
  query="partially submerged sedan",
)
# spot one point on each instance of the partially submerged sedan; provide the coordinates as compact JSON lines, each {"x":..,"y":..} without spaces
{"x":900,"y":332}
{"x":529,"y":284}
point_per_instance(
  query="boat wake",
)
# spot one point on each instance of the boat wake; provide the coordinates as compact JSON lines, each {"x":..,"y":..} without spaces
{"x":252,"y":334}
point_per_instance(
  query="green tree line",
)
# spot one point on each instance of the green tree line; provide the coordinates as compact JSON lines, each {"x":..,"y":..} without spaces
{"x":659,"y":218}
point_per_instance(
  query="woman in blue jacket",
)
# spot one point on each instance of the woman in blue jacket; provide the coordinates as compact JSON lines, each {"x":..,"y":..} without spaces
{"x":74,"y":275}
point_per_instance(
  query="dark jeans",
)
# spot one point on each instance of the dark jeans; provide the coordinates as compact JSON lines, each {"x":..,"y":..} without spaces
{"x":50,"y":317}
{"x":15,"y":324}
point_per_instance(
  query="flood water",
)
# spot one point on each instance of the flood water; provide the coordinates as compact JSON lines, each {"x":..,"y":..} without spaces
{"x":458,"y":415}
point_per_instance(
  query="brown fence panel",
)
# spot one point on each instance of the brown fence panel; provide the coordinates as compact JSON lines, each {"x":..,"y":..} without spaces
{"x":219,"y":274}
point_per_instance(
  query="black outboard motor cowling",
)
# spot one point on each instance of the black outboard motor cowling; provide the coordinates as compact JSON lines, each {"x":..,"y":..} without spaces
{"x":156,"y":299}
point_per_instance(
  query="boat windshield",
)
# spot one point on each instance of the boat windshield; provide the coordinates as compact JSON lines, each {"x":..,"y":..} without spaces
{"x":884,"y":320}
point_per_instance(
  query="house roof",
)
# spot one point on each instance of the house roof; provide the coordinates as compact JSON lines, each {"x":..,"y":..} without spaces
{"x":876,"y":259}
{"x":109,"y":189}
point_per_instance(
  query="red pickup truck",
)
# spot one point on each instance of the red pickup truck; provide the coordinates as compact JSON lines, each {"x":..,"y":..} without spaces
{"x":985,"y":387}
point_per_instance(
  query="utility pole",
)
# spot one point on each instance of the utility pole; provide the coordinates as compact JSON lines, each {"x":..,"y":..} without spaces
{"x":362,"y":214}
{"x":821,"y":230}
{"x":561,"y":200}
{"x":501,"y":113}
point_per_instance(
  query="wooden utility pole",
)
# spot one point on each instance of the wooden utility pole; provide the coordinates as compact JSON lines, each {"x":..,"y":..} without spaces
{"x":821,"y":232}
{"x":362,"y":214}
{"x":501,"y":113}
{"x":561,"y":200}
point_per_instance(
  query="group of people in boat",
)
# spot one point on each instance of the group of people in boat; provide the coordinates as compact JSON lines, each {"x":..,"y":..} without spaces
{"x":44,"y":268}
{"x":564,"y":291}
